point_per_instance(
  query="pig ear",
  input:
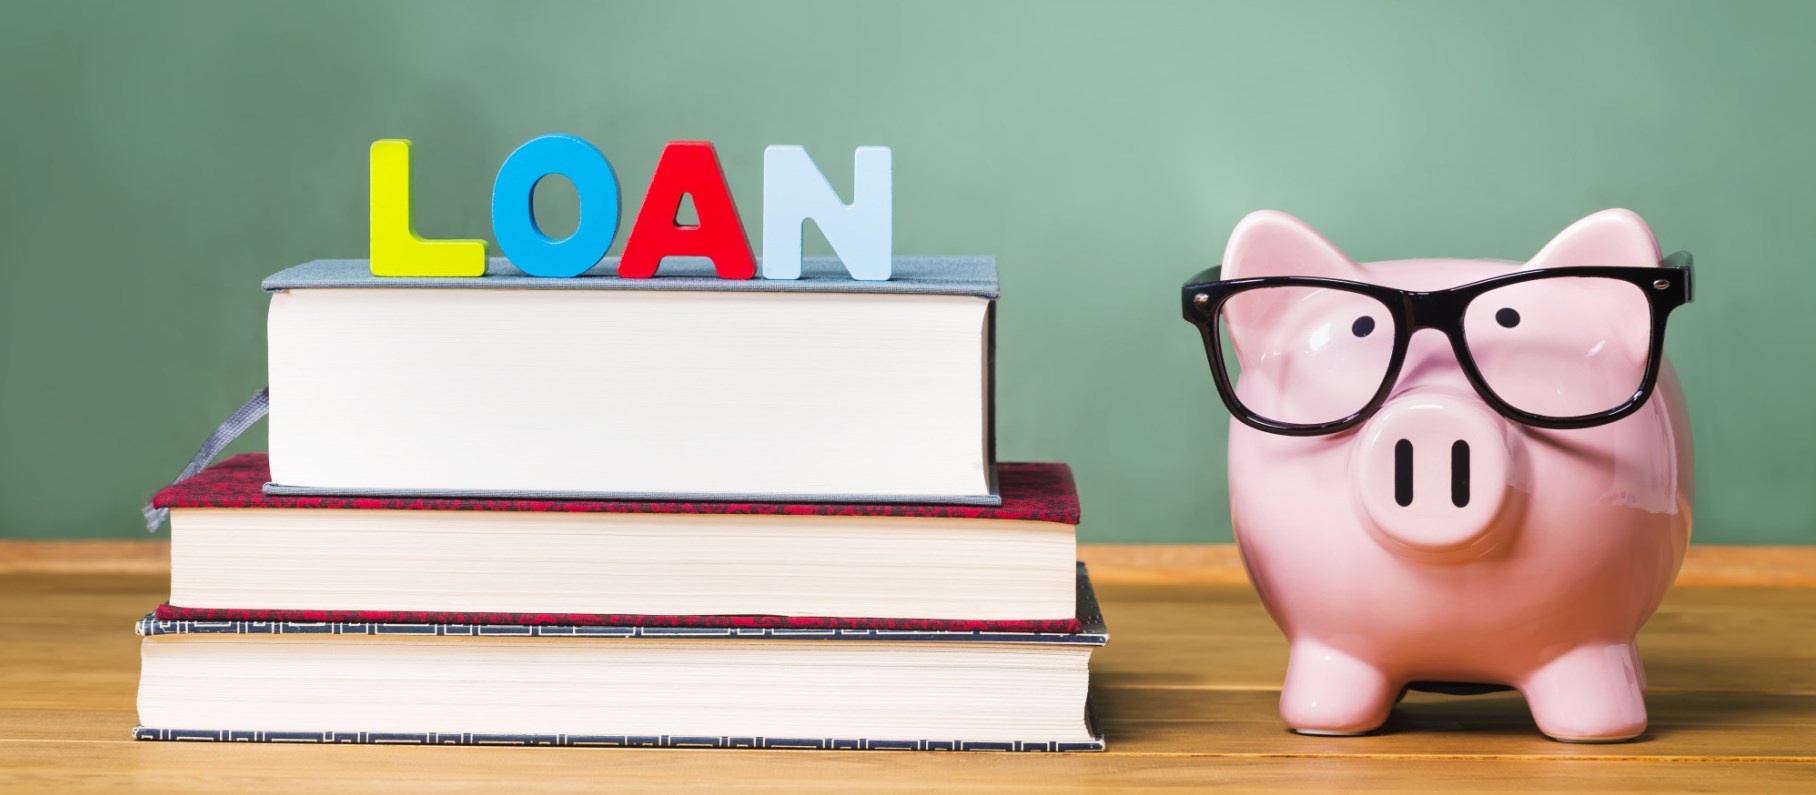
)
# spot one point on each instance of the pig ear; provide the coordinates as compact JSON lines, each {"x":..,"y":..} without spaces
{"x":1272,"y":243}
{"x":1610,"y":237}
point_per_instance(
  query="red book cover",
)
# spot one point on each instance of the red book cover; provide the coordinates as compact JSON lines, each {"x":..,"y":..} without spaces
{"x":1037,"y":492}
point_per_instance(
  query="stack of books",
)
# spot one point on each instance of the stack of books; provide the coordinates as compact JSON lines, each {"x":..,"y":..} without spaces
{"x":679,"y":511}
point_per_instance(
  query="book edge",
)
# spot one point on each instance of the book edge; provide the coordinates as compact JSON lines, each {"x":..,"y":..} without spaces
{"x":176,"y":495}
{"x":986,"y":500}
{"x":1092,"y":632}
{"x":973,"y":275}
{"x":158,"y":734}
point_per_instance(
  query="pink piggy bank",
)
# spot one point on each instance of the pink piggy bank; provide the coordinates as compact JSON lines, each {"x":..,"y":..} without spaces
{"x":1456,"y":475}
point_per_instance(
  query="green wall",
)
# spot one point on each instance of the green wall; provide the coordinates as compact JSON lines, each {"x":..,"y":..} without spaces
{"x":159,"y":159}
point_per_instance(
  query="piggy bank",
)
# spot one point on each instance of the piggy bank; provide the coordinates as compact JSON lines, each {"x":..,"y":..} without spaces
{"x":1454,"y":475}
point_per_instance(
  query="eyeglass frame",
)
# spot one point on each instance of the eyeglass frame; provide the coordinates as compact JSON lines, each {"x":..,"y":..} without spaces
{"x":1666,"y":288}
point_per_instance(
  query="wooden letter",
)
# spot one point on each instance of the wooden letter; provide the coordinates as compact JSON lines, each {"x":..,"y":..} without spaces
{"x":395,"y":248}
{"x":794,"y":190}
{"x":514,"y":206}
{"x":688,"y":168}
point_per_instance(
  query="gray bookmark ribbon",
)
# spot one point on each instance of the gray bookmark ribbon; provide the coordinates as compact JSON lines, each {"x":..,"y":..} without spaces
{"x":250,"y":412}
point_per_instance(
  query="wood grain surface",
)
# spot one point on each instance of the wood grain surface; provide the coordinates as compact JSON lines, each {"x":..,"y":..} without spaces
{"x":1202,"y":563}
{"x":1185,"y":691}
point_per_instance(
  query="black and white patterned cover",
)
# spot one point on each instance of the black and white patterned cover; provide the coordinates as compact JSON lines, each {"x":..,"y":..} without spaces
{"x":621,"y":740}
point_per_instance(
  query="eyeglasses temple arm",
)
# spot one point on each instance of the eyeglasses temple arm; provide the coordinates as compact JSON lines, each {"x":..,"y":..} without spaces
{"x":1206,"y":276}
{"x":1684,"y":262}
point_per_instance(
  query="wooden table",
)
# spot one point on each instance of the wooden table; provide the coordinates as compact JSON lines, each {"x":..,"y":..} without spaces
{"x":1185,"y":692}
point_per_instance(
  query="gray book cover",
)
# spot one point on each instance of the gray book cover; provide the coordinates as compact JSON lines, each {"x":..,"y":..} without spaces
{"x":946,"y":275}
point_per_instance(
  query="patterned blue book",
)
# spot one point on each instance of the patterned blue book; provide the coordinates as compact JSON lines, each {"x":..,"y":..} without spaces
{"x":620,"y":686}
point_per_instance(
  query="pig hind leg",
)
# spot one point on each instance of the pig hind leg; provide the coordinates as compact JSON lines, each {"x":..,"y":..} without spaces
{"x":1591,"y":694}
{"x":1329,"y":692}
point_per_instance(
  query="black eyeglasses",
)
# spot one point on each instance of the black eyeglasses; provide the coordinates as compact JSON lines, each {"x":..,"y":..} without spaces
{"x":1550,"y":347}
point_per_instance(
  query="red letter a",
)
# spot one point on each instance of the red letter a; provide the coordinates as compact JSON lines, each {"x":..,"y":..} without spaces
{"x":688,"y":167}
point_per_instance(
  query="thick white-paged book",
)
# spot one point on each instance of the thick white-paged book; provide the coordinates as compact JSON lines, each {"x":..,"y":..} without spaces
{"x":678,"y":686}
{"x":685,"y":385}
{"x":237,"y":552}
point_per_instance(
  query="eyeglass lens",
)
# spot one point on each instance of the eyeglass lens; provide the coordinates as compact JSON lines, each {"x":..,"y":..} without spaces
{"x":1561,"y":347}
{"x":1305,"y":355}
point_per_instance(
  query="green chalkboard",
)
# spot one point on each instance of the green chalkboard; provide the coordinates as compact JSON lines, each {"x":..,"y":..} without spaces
{"x":159,"y":159}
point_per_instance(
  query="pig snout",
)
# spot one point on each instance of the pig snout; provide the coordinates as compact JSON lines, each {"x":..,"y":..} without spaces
{"x":1432,"y":473}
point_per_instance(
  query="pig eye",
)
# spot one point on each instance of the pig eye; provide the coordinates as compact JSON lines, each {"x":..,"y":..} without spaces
{"x":1363,"y":326}
{"x":1507,"y":317}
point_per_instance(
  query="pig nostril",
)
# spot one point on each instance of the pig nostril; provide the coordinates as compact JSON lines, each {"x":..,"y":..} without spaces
{"x":1403,"y":472}
{"x":1459,"y":473}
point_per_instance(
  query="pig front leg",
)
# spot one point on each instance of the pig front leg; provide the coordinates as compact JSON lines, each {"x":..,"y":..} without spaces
{"x":1591,"y":694}
{"x":1331,"y":693}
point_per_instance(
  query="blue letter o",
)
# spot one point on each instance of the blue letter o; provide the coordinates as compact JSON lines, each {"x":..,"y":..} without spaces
{"x":514,"y":211}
